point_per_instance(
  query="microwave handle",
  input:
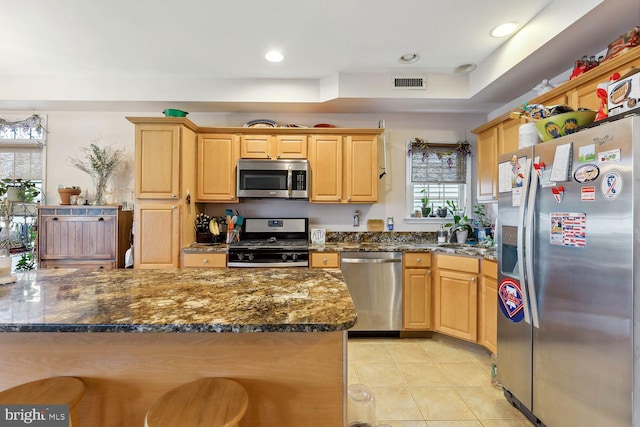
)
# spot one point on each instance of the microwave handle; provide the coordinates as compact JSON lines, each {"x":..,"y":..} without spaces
{"x":289,"y":181}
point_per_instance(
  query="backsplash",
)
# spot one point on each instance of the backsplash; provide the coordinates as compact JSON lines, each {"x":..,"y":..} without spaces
{"x":381,"y":237}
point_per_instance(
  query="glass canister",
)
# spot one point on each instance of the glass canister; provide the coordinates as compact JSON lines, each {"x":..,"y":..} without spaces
{"x":361,"y":406}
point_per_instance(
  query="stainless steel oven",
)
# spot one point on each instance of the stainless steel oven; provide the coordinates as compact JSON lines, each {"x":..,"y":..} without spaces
{"x":271,"y":242}
{"x":279,"y":179}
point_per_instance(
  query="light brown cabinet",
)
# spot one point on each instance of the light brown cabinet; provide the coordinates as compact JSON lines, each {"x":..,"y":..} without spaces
{"x":216,"y":260}
{"x":456,"y":296}
{"x":344,"y":168}
{"x":218,"y":156}
{"x":83,"y":237}
{"x":273,"y":146}
{"x":324,"y":260}
{"x":488,"y":306}
{"x":416,"y":291}
{"x":165,"y":190}
{"x":500,"y":135}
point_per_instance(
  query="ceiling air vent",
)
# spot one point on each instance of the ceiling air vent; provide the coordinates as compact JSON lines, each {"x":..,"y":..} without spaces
{"x":409,"y":83}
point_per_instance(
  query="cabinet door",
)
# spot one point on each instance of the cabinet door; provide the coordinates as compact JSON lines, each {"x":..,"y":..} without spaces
{"x":157,"y":161}
{"x":157,"y":235}
{"x":488,"y":306}
{"x":217,"y":165}
{"x":361,"y":169}
{"x":456,"y":304}
{"x":487,"y":152}
{"x":508,"y":135}
{"x":256,"y":146}
{"x":291,"y":146}
{"x":416,"y":298}
{"x":325,"y":161}
{"x":78,"y":237}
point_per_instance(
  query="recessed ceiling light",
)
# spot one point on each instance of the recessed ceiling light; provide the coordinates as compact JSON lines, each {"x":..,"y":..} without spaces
{"x":465,"y":68}
{"x":274,"y":56}
{"x":408,"y":58}
{"x":504,"y":30}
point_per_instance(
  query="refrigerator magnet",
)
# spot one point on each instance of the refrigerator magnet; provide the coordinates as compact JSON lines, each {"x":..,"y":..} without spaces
{"x":510,"y":297}
{"x":586,"y":173}
{"x":609,"y":156}
{"x":611,"y":185}
{"x":588,"y":194}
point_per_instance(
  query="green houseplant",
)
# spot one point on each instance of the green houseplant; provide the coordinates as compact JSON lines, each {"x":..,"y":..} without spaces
{"x":19,"y":190}
{"x":426,"y":210}
{"x":100,"y":163}
{"x":460,"y":224}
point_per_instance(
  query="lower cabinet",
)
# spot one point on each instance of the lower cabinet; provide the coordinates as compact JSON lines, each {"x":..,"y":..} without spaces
{"x":456,"y":296}
{"x":488,"y":306}
{"x":83,"y":237}
{"x":215,"y":260}
{"x":158,"y":235}
{"x":416,"y":291}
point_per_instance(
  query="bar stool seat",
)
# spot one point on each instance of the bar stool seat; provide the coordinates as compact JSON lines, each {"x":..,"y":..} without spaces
{"x":47,"y":391}
{"x":207,"y":402}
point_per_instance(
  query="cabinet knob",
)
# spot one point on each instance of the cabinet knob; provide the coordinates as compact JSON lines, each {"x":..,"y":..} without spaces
{"x":429,"y":273}
{"x":348,"y":199}
{"x":205,"y":261}
{"x":278,"y":156}
{"x":54,"y":219}
{"x":100,"y":219}
{"x":339,"y":199}
{"x":175,"y":196}
{"x":418,"y":260}
{"x":473,"y":279}
{"x":232,"y":197}
{"x":324,"y":260}
{"x":174,"y":207}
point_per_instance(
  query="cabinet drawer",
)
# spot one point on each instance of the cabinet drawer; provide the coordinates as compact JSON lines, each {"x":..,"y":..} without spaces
{"x":490,"y":268}
{"x":459,"y":263}
{"x":92,"y":265}
{"x":417,"y":259}
{"x":325,"y":260}
{"x":204,"y":260}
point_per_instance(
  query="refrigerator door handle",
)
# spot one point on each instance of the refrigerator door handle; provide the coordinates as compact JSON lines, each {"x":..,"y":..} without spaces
{"x":528,"y":256}
{"x":520,"y":241}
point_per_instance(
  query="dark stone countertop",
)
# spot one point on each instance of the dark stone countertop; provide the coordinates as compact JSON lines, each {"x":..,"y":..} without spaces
{"x":190,"y":300}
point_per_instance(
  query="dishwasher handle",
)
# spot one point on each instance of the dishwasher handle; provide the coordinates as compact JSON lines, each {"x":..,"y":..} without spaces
{"x":369,"y":260}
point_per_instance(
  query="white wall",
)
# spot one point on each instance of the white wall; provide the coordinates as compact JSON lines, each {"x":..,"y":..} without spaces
{"x":70,"y":131}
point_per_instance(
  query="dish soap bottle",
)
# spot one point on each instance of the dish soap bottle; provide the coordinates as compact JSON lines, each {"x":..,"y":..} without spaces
{"x":442,"y":235}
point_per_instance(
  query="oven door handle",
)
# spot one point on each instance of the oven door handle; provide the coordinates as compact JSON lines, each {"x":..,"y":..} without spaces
{"x":289,"y":181}
{"x":267,"y":264}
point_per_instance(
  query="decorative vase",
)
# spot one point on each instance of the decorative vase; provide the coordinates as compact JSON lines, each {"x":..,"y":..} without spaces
{"x":425,"y":211}
{"x":66,"y":193}
{"x":442,"y":212}
{"x":461,"y":235}
{"x":100,"y":187}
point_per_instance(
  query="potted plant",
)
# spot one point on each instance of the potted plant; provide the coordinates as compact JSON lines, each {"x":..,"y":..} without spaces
{"x":65,"y":194}
{"x":460,"y":224}
{"x":100,"y":163}
{"x":19,"y":190}
{"x":426,"y":210}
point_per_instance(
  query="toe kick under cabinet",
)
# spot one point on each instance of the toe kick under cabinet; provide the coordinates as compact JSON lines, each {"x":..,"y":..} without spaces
{"x":83,"y":236}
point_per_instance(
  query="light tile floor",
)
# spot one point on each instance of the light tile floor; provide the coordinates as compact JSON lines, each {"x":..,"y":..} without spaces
{"x":430,"y":382}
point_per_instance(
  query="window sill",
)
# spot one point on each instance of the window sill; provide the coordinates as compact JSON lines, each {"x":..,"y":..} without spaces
{"x":428,"y":220}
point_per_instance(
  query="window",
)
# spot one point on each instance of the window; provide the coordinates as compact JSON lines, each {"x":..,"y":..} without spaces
{"x":439,"y":173}
{"x":21,"y":149}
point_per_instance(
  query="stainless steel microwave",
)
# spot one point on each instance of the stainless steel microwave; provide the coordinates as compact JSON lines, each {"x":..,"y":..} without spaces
{"x":276,"y":179}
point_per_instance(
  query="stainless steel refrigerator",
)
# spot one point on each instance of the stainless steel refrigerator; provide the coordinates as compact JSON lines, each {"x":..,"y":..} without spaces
{"x":569,"y":314}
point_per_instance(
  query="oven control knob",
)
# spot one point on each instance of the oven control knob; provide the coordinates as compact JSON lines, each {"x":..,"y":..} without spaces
{"x":284,"y":257}
{"x":240,"y":257}
{"x":250,"y":257}
{"x":294,"y":257}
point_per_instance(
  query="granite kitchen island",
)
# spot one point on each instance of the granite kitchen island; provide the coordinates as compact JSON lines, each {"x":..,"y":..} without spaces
{"x":131,"y":335}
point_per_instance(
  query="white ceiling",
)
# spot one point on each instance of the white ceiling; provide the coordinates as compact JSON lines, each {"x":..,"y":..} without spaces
{"x":340,"y":55}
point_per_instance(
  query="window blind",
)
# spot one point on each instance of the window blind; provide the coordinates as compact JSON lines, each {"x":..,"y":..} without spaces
{"x":438,"y":163}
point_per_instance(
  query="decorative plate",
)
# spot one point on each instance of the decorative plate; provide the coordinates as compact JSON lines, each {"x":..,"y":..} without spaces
{"x":260,"y":123}
{"x":323,"y":125}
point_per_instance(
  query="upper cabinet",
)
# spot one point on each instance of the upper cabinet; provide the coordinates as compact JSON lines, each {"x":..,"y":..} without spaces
{"x":157,"y":161}
{"x":344,"y":168}
{"x":273,"y":147}
{"x":218,"y":156}
{"x":501,"y":134}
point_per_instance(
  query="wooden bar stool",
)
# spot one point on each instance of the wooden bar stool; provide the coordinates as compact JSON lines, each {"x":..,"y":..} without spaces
{"x":207,"y":402}
{"x":48,"y":391}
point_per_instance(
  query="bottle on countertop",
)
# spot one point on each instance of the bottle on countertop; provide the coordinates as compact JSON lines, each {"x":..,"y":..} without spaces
{"x":442,"y":235}
{"x":390,"y":223}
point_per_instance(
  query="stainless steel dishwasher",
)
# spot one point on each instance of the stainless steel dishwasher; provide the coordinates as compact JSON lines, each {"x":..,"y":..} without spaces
{"x":374,"y":280}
